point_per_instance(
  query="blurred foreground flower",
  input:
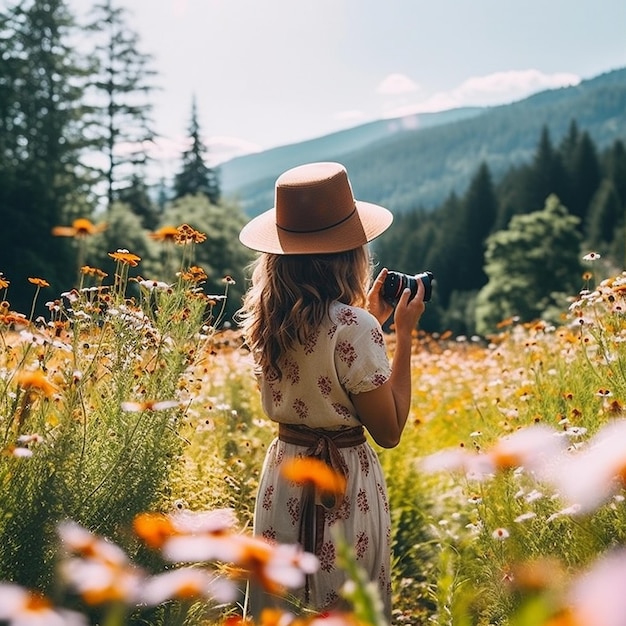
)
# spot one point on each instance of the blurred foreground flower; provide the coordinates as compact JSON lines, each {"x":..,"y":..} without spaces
{"x":589,"y":477}
{"x":101,"y":573}
{"x":20,"y":607}
{"x":533,"y":448}
{"x":35,"y":381}
{"x":187,"y":583}
{"x":97,"y":569}
{"x":328,"y":483}
{"x":597,"y":597}
{"x":204,"y":537}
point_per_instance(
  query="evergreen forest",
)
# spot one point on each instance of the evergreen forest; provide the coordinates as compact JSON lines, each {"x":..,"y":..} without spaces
{"x":75,"y":137}
{"x":515,"y":248}
{"x":76,"y":127}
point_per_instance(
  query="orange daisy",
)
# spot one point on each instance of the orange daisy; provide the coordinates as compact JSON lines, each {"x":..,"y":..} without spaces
{"x":82,"y":227}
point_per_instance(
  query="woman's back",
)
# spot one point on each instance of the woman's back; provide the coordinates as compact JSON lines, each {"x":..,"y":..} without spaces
{"x":345,"y":355}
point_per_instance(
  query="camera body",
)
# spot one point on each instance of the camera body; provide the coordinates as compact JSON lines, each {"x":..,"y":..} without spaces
{"x":396,"y":282}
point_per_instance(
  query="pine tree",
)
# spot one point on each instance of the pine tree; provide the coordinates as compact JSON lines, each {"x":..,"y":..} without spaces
{"x":440,"y":246}
{"x":120,"y":102}
{"x":545,"y":175}
{"x":195,"y":177}
{"x":586,"y":177}
{"x":40,"y":142}
{"x":474,"y":223}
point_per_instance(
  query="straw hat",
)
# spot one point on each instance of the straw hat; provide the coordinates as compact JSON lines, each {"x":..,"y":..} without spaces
{"x":315,"y":213}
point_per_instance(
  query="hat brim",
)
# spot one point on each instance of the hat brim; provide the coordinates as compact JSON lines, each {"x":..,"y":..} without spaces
{"x":366,"y":223}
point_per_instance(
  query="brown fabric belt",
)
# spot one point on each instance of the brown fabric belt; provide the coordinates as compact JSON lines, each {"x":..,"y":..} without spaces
{"x":324,"y":445}
{"x":304,"y":436}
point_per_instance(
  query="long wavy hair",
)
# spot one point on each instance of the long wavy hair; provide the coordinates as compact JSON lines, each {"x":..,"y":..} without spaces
{"x":290,"y":295}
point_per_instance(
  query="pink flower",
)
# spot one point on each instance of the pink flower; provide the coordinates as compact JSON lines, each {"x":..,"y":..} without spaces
{"x":592,"y":475}
{"x":597,"y":596}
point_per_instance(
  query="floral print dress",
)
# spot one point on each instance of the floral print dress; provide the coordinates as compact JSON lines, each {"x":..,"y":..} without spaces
{"x":346,"y":356}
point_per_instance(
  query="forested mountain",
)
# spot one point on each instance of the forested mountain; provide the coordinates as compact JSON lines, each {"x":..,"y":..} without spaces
{"x":245,"y":170}
{"x":417,"y":168}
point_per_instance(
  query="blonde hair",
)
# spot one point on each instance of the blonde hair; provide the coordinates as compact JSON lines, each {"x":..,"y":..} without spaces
{"x":290,"y":295}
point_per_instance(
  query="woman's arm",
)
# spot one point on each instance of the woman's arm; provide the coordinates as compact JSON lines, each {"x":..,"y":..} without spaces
{"x":384,"y":410}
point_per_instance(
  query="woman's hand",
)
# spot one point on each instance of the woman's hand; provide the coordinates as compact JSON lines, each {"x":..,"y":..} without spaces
{"x":376,"y":304}
{"x":408,"y":313}
{"x":384,"y":410}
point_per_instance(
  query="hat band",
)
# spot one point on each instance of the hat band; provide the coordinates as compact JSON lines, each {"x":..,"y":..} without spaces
{"x":318,"y":230}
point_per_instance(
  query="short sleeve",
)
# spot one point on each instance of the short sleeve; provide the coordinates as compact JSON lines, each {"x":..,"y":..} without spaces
{"x":361,"y":357}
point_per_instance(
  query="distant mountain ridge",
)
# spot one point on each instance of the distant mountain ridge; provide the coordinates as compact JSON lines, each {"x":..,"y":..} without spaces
{"x":405,"y":168}
{"x":249,"y":168}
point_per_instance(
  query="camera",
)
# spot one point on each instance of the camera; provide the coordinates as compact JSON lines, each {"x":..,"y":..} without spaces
{"x":396,"y":282}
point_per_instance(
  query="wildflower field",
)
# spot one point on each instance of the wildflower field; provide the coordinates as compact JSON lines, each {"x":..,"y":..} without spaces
{"x":133,"y":437}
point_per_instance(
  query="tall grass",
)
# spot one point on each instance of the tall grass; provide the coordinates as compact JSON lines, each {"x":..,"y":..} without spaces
{"x":90,"y":402}
{"x":128,"y":399}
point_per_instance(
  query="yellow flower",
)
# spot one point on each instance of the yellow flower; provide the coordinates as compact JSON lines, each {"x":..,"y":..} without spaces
{"x":36,"y":380}
{"x":81,"y":227}
{"x":165,"y":233}
{"x":124,"y":256}
{"x":40,"y":282}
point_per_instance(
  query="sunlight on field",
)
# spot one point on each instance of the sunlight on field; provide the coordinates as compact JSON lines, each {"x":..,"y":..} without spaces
{"x":129,"y":415}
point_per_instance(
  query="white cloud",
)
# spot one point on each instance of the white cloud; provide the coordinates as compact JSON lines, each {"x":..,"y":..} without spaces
{"x":503,"y":86}
{"x":397,"y":85}
{"x":492,"y":89}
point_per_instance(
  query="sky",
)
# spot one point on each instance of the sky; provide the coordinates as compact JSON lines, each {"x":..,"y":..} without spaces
{"x":266,"y":73}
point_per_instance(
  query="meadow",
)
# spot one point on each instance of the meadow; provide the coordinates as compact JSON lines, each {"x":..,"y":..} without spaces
{"x":133,"y":438}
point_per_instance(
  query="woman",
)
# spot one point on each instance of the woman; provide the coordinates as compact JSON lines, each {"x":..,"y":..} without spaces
{"x":313,"y":318}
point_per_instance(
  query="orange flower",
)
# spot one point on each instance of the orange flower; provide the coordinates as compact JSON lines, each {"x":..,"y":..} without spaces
{"x":124,"y":256}
{"x":154,"y":528}
{"x":311,"y":471}
{"x":86,"y":270}
{"x":81,"y":227}
{"x":40,"y":282}
{"x":187,"y":234}
{"x":12,"y":317}
{"x":165,"y":233}
{"x":194,"y":274}
{"x":4,"y":283}
{"x":36,"y":380}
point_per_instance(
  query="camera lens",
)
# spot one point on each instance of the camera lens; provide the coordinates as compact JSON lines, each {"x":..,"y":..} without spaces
{"x":396,"y":282}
